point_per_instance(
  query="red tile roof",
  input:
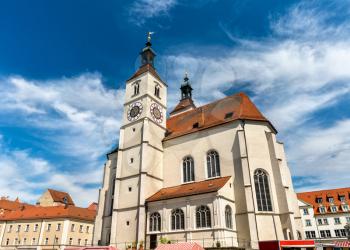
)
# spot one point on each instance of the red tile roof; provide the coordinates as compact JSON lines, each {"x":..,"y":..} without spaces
{"x":146,"y":68}
{"x":228,"y":109}
{"x":11,"y":205}
{"x":93,"y":206}
{"x":183,"y":105}
{"x":59,"y":196}
{"x":38,"y":212}
{"x":310,"y":198}
{"x":194,"y":188}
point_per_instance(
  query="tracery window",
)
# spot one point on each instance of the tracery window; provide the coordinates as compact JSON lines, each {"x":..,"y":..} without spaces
{"x":262,"y":190}
{"x":188,"y":169}
{"x":213,"y":164}
{"x":228,"y":216}
{"x":177,"y":219}
{"x":203,"y":217}
{"x":154,"y":222}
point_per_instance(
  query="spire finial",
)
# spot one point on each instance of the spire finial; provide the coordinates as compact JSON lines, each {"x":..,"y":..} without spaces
{"x":186,"y":89}
{"x":149,"y":34}
{"x":186,"y":77}
{"x":147,"y":54}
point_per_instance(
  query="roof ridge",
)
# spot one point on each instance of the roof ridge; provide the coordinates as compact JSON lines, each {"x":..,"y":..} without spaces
{"x":323,"y":190}
{"x":211,"y":103}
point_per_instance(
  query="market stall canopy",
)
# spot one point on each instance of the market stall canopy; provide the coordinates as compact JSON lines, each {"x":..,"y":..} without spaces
{"x":180,"y":246}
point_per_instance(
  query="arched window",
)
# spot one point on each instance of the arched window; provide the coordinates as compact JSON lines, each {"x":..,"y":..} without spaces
{"x":203,"y":218}
{"x":213,"y":164}
{"x":157,"y":91}
{"x":154,"y":222}
{"x":177,"y":219}
{"x":228,"y":216}
{"x":262,"y":189}
{"x":188,"y":169}
{"x":136,"y":88}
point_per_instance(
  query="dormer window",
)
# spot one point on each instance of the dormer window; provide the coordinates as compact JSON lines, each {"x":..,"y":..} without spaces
{"x":330,"y":199}
{"x":319,"y":200}
{"x":228,"y":115}
{"x":157,"y":91}
{"x":322,"y":210}
{"x":334,"y":209}
{"x":345,"y":208}
{"x":342,"y":198}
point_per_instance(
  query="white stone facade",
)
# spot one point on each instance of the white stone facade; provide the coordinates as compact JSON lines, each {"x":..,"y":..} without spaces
{"x":145,"y":163}
{"x":323,"y":228}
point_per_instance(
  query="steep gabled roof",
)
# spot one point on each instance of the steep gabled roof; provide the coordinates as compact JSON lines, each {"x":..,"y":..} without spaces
{"x":183,"y":105}
{"x":194,"y":188}
{"x":228,"y":109}
{"x":146,"y":68}
{"x":38,"y":212}
{"x":310,"y":198}
{"x":59,"y":196}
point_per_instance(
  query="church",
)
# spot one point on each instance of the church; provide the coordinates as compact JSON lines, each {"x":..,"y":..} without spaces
{"x":215,"y":174}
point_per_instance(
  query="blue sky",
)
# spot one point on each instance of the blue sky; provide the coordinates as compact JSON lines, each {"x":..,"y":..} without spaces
{"x":63,"y":65}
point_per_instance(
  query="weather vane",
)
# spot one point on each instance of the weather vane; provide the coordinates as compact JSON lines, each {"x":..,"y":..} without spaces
{"x":149,"y":36}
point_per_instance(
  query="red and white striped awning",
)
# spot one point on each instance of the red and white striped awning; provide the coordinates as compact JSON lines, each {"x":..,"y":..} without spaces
{"x":342,"y":243}
{"x":180,"y":246}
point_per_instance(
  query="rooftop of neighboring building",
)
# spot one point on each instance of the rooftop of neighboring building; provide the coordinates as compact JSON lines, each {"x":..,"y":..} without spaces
{"x":8,"y":205}
{"x":327,"y":199}
{"x":60,"y":196}
{"x":16,"y":210}
{"x":38,"y":212}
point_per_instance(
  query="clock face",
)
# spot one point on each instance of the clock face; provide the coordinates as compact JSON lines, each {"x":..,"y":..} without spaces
{"x":156,"y":112}
{"x":135,"y":111}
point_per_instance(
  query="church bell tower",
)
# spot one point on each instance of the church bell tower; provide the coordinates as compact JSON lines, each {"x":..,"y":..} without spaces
{"x":140,"y":157}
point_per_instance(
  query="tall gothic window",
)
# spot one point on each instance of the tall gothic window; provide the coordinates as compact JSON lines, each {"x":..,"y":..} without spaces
{"x":177,"y":219}
{"x":213,"y":164}
{"x":203,"y":218}
{"x":228,"y":216}
{"x":188,"y":169}
{"x":262,"y":190}
{"x":154,"y":222}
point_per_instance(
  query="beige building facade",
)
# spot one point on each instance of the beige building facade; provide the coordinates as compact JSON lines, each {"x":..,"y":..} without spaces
{"x":325,"y":215}
{"x":53,"y":226}
{"x":214,"y":174}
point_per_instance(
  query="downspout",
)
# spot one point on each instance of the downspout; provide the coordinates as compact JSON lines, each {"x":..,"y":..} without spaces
{"x":146,"y":211}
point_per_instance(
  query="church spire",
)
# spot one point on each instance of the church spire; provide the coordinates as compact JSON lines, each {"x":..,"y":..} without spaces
{"x":148,"y":54}
{"x":186,"y":88}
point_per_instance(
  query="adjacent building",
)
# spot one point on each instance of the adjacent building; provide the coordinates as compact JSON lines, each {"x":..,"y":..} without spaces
{"x":213,"y":174}
{"x":55,"y":222}
{"x":325,"y":213}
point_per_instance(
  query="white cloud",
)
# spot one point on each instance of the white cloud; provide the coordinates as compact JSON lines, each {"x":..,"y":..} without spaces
{"x":83,"y":115}
{"x":76,"y":117}
{"x":141,"y":10}
{"x":23,"y":175}
{"x":323,"y":153}
{"x":302,"y":68}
